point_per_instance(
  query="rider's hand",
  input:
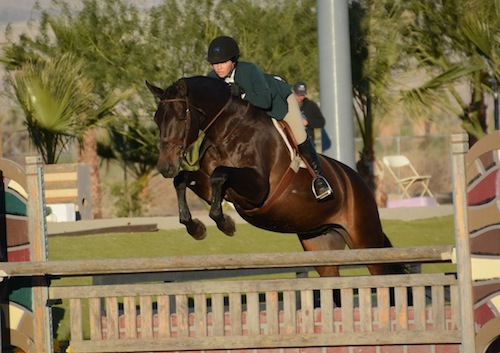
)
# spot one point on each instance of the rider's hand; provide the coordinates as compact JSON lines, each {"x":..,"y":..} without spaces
{"x":235,"y":89}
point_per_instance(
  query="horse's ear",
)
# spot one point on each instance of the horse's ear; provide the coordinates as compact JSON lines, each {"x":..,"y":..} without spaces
{"x":158,"y":92}
{"x":182,"y":88}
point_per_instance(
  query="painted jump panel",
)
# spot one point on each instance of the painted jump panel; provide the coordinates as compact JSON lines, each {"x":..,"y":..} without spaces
{"x":23,"y":236}
{"x":482,"y":164}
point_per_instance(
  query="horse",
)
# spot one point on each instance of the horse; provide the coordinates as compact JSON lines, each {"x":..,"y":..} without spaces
{"x":245,"y":160}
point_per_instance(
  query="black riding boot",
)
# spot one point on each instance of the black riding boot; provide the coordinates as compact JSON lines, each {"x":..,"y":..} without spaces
{"x":320,"y":186}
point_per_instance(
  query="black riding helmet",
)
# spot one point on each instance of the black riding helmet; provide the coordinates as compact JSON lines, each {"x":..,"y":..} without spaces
{"x":222,"y":49}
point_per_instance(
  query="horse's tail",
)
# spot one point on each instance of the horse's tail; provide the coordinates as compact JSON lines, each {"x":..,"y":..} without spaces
{"x":396,"y":268}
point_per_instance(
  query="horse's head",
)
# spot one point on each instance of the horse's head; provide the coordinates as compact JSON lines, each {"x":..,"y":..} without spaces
{"x":186,"y":107}
{"x":177,"y":127}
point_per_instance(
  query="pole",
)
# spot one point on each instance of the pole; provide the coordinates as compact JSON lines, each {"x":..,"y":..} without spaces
{"x":495,"y":104}
{"x":335,"y":78}
{"x":37,"y":228}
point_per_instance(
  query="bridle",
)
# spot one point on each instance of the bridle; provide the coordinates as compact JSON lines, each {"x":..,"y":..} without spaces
{"x":183,"y":145}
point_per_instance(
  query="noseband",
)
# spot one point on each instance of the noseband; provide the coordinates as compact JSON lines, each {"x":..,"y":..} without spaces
{"x":183,"y":144}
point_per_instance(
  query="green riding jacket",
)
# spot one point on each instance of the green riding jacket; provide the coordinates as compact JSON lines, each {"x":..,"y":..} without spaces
{"x":266,"y":91}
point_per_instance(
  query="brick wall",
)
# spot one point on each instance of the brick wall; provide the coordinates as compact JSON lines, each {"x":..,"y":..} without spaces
{"x":431,"y":348}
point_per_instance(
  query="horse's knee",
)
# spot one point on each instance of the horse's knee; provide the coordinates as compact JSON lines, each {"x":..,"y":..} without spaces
{"x":181,"y":179}
{"x":215,"y":211}
{"x":218,"y":177}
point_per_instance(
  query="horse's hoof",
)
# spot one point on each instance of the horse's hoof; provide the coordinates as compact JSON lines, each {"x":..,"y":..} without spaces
{"x":229,"y":227}
{"x":197,"y":229}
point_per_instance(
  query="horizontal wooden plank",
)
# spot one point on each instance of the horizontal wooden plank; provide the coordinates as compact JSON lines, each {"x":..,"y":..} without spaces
{"x":68,"y":199}
{"x":242,"y":286}
{"x":49,"y":194}
{"x":50,"y":177}
{"x":60,"y":168}
{"x":267,"y":341}
{"x":235,"y":261}
{"x":61,"y":184}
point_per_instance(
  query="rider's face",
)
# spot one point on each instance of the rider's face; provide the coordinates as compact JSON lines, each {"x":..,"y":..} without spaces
{"x":223,"y":69}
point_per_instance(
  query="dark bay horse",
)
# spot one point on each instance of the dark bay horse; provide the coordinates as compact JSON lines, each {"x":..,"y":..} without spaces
{"x":244,"y":159}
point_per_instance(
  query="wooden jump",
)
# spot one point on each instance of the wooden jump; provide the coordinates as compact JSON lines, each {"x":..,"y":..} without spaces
{"x":287,"y":314}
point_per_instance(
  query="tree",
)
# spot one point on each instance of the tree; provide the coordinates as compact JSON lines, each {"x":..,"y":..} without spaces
{"x":290,"y":51}
{"x":137,"y":158}
{"x":456,"y":42}
{"x":53,"y":94}
{"x":375,"y":30}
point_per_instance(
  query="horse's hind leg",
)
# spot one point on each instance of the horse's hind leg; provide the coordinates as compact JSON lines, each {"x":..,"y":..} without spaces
{"x":332,"y":240}
{"x":194,"y":226}
{"x":224,"y":222}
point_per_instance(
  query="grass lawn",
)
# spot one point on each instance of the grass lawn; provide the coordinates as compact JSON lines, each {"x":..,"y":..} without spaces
{"x":248,"y":239}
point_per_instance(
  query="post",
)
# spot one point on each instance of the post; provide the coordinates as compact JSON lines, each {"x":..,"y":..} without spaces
{"x":335,"y":78}
{"x":459,"y":147}
{"x":37,"y":228}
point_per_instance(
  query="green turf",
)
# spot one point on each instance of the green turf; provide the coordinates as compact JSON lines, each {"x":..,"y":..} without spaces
{"x":248,"y":239}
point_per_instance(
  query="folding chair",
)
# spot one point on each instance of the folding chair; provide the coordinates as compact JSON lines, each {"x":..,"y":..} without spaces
{"x":406,"y":175}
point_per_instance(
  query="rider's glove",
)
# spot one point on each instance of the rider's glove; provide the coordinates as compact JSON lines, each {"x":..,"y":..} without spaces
{"x":235,"y":89}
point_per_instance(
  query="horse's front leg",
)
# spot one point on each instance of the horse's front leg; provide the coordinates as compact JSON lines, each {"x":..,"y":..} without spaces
{"x":218,"y":181}
{"x":194,"y":226}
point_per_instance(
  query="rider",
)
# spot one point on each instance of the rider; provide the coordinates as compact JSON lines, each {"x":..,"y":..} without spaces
{"x":267,"y":92}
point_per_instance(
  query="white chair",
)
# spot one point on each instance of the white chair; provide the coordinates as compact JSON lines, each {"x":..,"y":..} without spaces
{"x":406,"y":175}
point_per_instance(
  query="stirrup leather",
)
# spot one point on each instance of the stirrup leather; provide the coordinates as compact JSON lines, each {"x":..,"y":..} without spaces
{"x":323,"y":188}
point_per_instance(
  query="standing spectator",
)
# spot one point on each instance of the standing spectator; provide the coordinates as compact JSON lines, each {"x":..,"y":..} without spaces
{"x":312,"y":115}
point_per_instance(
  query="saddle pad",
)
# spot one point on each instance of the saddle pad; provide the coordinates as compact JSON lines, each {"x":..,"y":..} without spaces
{"x":294,"y":158}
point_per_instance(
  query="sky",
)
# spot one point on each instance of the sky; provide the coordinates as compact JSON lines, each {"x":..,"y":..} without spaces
{"x":22,"y":10}
{"x":19,"y":10}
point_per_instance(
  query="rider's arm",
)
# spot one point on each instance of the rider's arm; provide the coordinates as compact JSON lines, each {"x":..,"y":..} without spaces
{"x":251,"y":78}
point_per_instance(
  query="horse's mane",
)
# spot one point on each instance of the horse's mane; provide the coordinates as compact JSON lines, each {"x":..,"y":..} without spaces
{"x":171,"y":91}
{"x":193,"y":82}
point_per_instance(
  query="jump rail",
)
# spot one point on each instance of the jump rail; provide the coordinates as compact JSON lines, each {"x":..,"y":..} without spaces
{"x":227,"y":262}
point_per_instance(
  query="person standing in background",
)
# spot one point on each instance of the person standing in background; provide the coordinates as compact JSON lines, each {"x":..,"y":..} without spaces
{"x":312,"y":115}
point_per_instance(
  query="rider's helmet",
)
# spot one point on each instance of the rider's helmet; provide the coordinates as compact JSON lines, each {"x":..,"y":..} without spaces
{"x":222,"y":49}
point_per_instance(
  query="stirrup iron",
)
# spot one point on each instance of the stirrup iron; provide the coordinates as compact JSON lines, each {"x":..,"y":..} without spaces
{"x":327,"y":188}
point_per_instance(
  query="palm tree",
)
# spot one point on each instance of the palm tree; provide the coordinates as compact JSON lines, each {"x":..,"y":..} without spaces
{"x":60,"y":108}
{"x":53,"y":95}
{"x":456,"y":42}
